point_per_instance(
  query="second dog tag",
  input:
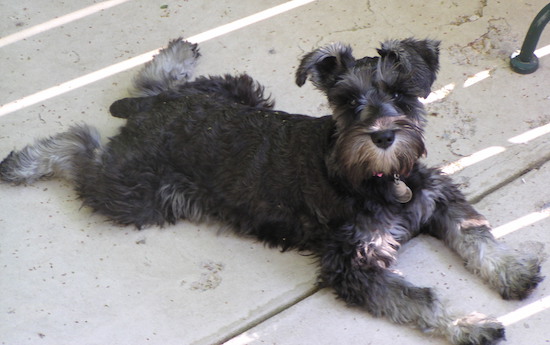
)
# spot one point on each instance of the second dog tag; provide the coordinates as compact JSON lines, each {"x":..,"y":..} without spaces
{"x":402,"y":192}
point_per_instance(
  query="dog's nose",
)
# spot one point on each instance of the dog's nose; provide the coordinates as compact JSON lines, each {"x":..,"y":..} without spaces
{"x":383,"y":139}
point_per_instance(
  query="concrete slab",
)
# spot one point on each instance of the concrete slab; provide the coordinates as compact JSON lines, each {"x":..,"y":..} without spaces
{"x":321,"y":319}
{"x":70,"y":277}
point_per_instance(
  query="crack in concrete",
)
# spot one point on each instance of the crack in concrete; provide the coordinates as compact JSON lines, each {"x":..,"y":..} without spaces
{"x":477,"y":14}
{"x":369,"y":8}
{"x":491,"y":43}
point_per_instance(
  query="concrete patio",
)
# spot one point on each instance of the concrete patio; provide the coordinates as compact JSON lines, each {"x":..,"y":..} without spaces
{"x":70,"y":277}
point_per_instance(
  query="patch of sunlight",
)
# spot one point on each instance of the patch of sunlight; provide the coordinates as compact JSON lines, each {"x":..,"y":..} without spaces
{"x":472,"y":159}
{"x":522,"y":313}
{"x":51,"y":24}
{"x":530,"y":135}
{"x":476,"y":78}
{"x":520,"y":223}
{"x":135,"y":61}
{"x":438,"y":95}
{"x":543,"y":51}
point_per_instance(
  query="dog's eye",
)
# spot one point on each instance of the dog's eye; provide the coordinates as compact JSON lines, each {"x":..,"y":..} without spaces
{"x":353,"y":103}
{"x":397,"y":96}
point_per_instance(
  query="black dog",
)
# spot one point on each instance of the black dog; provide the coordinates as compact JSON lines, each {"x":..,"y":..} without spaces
{"x":347,"y":187}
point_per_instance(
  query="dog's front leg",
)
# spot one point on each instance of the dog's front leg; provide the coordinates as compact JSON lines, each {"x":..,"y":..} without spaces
{"x":383,"y":293}
{"x":514,"y":275}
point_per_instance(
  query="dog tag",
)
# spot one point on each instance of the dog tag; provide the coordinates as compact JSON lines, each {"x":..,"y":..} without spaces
{"x":402,"y":192}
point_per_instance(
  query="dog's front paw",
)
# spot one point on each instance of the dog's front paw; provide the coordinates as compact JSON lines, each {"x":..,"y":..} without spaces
{"x":520,"y":275}
{"x":476,"y":329}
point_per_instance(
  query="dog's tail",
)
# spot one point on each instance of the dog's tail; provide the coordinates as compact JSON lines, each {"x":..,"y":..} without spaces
{"x":63,"y":155}
{"x":172,"y":67}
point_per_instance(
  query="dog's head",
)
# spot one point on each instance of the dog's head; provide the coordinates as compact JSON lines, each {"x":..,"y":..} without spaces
{"x":375,"y":103}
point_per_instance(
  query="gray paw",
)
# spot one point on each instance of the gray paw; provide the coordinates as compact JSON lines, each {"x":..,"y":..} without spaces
{"x":521,"y":273}
{"x":476,"y":329}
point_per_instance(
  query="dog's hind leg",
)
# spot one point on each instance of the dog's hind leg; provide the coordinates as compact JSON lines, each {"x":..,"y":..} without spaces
{"x":384,"y":293}
{"x":172,"y":67}
{"x":60,"y":155}
{"x":513,"y":274}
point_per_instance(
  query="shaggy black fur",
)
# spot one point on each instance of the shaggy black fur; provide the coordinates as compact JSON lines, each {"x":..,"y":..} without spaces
{"x":215,"y":149}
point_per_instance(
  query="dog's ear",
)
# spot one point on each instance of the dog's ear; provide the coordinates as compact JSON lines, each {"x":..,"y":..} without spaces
{"x":409,"y":65}
{"x":325,"y":66}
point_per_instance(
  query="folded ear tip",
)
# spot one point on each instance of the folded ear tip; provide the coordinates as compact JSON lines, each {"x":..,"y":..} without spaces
{"x":324,"y":65}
